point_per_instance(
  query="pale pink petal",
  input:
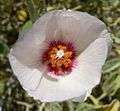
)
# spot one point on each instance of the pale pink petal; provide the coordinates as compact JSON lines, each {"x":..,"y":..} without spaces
{"x":28,"y":77}
{"x":90,"y":62}
{"x":79,"y":27}
{"x":30,"y":43}
{"x":51,"y":91}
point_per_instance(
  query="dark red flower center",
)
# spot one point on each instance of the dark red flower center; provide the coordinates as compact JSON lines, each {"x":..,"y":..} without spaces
{"x":59,"y":57}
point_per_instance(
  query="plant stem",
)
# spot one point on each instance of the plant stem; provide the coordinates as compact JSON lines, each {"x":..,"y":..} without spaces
{"x":28,"y":106}
{"x":41,"y":107}
{"x":94,"y":100}
{"x":102,"y":96}
{"x":70,"y":106}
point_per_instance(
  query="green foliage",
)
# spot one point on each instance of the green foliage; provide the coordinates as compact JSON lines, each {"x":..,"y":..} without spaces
{"x":114,"y":106}
{"x":85,"y":107}
{"x":27,"y":26}
{"x":111,"y":65}
{"x":3,"y":48}
{"x":53,"y":107}
{"x":32,"y":9}
{"x":111,"y":84}
{"x":2,"y":86}
{"x":18,"y":16}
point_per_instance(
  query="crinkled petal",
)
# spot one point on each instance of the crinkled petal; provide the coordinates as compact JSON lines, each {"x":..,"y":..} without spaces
{"x":30,"y":43}
{"x":79,"y":27}
{"x":51,"y":91}
{"x":88,"y":69}
{"x":28,"y":77}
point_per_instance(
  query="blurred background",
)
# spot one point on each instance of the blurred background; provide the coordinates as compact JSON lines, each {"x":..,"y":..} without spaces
{"x":17,"y":15}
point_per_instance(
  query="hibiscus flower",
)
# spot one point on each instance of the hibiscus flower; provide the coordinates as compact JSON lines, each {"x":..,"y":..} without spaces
{"x":61,"y":56}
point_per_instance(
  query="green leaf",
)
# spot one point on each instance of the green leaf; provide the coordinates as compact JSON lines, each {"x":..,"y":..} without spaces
{"x":111,"y":84}
{"x":53,"y":107}
{"x":25,"y":28}
{"x":3,"y":48}
{"x":111,"y":65}
{"x":27,"y":25}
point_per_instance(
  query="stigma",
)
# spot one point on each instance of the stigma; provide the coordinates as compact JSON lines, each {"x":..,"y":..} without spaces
{"x":60,"y":53}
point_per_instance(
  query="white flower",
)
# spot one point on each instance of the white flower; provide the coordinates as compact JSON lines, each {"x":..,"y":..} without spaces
{"x":61,"y":56}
